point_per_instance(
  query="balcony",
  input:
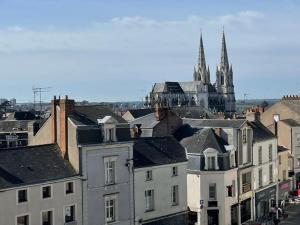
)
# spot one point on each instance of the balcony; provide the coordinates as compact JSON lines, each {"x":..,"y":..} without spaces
{"x":71,"y":223}
{"x":246,"y":187}
{"x":212,"y":204}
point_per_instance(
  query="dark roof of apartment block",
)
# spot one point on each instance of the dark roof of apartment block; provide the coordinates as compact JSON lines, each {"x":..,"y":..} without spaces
{"x":155,"y":151}
{"x":32,"y":165}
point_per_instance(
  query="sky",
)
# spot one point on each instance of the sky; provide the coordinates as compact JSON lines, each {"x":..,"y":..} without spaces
{"x":115,"y":50}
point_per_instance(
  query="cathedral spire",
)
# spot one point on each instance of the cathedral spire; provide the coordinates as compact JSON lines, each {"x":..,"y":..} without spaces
{"x":224,"y":58}
{"x":201,"y":58}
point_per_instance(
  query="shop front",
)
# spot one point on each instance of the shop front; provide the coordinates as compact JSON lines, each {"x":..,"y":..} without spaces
{"x":264,"y":200}
{"x":284,"y":188}
{"x":245,"y":210}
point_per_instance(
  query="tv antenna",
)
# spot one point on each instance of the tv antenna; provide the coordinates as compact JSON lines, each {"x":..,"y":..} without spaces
{"x":37,"y":97}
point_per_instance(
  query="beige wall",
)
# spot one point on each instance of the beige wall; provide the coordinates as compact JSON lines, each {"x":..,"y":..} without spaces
{"x":43,"y":136}
{"x":278,"y":108}
{"x":128,"y":116}
{"x":284,"y":135}
{"x":73,"y":151}
{"x":284,"y":165}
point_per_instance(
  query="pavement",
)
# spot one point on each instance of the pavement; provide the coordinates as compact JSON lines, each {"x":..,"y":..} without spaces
{"x":293,"y":212}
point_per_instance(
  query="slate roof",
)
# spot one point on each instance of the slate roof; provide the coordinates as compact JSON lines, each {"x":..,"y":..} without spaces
{"x":215,"y":123}
{"x":32,"y":165}
{"x":136,"y":113}
{"x":10,"y":125}
{"x":260,"y":132}
{"x":193,"y":112}
{"x":281,"y":148}
{"x":203,"y":139}
{"x":94,"y":112}
{"x":291,"y":122}
{"x":155,"y":151}
{"x":173,"y":88}
{"x":21,"y":115}
{"x":148,"y":121}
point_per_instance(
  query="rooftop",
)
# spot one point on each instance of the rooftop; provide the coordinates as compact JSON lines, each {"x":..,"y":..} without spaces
{"x":155,"y":151}
{"x":32,"y":165}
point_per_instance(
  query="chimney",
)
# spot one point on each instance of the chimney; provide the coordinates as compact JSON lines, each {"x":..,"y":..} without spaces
{"x":218,"y":131}
{"x":54,"y":103}
{"x":253,"y":114}
{"x":160,"y":112}
{"x":66,"y":107}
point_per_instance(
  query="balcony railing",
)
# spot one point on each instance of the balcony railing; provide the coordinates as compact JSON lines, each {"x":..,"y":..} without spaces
{"x":71,"y":223}
{"x":212,"y":204}
{"x":246,"y":188}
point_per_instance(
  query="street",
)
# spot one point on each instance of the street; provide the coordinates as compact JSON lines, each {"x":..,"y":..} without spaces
{"x":293,"y":215}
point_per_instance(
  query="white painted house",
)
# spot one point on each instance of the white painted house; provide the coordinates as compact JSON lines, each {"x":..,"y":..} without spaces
{"x":212,"y":177}
{"x":38,"y":187}
{"x":160,"y":185}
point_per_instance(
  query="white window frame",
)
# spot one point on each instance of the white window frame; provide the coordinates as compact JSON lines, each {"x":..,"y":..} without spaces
{"x":270,"y":152}
{"x":210,"y":152}
{"x":215,"y":186}
{"x":174,"y":171}
{"x":149,"y":202}
{"x":24,"y":214}
{"x":115,"y":208}
{"x":47,"y":210}
{"x":175,"y":195}
{"x":260,"y":158}
{"x":73,"y":183}
{"x":150,"y":173}
{"x":75,"y":212}
{"x":51,"y":191}
{"x":17,"y":196}
{"x":110,"y":181}
{"x":244,"y":135}
{"x":260,"y":177}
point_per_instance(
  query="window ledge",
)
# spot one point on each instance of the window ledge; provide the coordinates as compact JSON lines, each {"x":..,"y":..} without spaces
{"x":149,"y":210}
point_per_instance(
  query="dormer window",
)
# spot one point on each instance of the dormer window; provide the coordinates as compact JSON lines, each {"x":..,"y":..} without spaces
{"x":211,"y":162}
{"x":108,"y":125}
{"x":244,"y":135}
{"x":211,"y":159}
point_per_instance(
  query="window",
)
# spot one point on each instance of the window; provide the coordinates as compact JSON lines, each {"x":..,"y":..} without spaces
{"x":244,"y":135}
{"x":260,"y":155}
{"x":47,"y":218}
{"x":232,"y":159}
{"x":22,"y":196}
{"x":174,"y":171}
{"x":110,"y":164}
{"x":148,"y":175}
{"x":279,"y":159}
{"x":259,"y":177}
{"x":233,"y":188}
{"x":174,"y":195}
{"x":23,"y":220}
{"x":149,"y":197}
{"x":110,"y":134}
{"x":69,"y":188}
{"x":110,"y":208}
{"x":212,"y":191}
{"x":46,"y":192}
{"x":229,"y":191}
{"x":211,"y":162}
{"x":284,"y":174}
{"x":271,"y":173}
{"x":222,"y":80}
{"x":270,"y":152}
{"x":298,"y":162}
{"x":69,"y":213}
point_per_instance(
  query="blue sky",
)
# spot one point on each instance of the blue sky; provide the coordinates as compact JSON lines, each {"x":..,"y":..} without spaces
{"x":115,"y":50}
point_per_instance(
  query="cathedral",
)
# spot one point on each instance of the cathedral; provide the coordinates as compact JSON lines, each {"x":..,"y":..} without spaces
{"x":217,"y":97}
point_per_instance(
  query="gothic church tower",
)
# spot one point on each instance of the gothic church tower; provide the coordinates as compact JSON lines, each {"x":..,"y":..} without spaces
{"x":201,"y":72}
{"x":224,"y":82}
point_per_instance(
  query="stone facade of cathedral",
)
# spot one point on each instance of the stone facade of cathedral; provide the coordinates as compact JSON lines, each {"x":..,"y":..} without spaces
{"x":217,"y":97}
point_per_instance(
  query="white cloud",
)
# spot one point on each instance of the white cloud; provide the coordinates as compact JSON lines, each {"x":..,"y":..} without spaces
{"x":241,"y":18}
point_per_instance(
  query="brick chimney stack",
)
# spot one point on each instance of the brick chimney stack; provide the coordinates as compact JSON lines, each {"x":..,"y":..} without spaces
{"x":160,"y":112}
{"x":66,"y":106}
